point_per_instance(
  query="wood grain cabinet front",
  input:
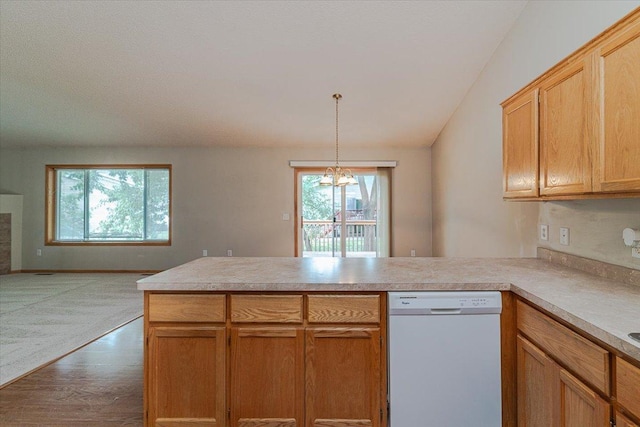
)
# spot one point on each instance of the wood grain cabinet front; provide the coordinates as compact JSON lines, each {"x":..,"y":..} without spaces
{"x":582,"y":118}
{"x":628,"y":386}
{"x":616,"y":165}
{"x":186,"y":372}
{"x":520,"y":146}
{"x":548,"y":395}
{"x":265,"y":360}
{"x":343,"y":377}
{"x":565,"y":162}
{"x":267,"y":376}
{"x":622,"y":421}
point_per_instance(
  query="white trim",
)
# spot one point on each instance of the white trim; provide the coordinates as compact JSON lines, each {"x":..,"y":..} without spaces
{"x":345,"y":163}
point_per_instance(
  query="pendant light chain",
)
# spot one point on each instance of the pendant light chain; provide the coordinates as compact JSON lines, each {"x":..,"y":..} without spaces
{"x":337,"y":96}
{"x":337,"y":177}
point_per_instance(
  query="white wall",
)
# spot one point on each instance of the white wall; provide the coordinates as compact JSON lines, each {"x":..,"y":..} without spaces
{"x":223,"y":198}
{"x":12,"y":204}
{"x":469,"y":216}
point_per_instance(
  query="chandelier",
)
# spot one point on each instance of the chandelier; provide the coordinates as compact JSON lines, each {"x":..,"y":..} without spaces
{"x":337,"y":176}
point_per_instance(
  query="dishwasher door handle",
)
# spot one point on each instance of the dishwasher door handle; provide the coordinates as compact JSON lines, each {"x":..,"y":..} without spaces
{"x":446,"y":311}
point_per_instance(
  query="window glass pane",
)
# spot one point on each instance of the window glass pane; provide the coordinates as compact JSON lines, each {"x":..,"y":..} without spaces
{"x":109,"y":204}
{"x":70,"y":203}
{"x":116,"y":204}
{"x":157,"y":204}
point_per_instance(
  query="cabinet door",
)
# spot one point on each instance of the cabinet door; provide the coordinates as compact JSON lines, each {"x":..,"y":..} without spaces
{"x":622,"y":421}
{"x":617,"y":154}
{"x":267,"y":377}
{"x":187,"y":377}
{"x":535,"y":380}
{"x":565,"y":162}
{"x":579,"y":405}
{"x":343,"y":377}
{"x":520,"y":146}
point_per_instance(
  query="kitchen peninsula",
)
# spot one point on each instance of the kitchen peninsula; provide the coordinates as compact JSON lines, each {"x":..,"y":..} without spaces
{"x":302,"y":341}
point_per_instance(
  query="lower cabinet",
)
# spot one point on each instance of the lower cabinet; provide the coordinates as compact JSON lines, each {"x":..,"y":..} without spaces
{"x":622,"y":421}
{"x":265,"y":361}
{"x":548,"y":395}
{"x":343,"y":377}
{"x":186,"y":376}
{"x":267,"y":377}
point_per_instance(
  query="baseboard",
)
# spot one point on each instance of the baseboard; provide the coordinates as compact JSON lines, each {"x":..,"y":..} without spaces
{"x":30,"y":271}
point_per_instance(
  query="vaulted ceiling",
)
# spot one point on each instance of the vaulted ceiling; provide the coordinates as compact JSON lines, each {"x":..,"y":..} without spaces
{"x":251,"y":73}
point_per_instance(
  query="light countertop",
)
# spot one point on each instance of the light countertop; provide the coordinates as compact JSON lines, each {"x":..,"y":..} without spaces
{"x":606,"y":309}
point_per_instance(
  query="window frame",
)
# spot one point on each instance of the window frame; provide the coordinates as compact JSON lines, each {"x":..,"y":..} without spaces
{"x":51,"y":186}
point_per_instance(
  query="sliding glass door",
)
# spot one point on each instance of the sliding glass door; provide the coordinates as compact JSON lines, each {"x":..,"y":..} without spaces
{"x":349,"y":221}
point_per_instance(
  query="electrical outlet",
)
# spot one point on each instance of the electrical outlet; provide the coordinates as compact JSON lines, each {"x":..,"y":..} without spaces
{"x":229,"y":252}
{"x":205,"y":252}
{"x":635,"y":252}
{"x":544,"y":232}
{"x":413,"y":252}
{"x":564,"y":236}
{"x":39,"y":252}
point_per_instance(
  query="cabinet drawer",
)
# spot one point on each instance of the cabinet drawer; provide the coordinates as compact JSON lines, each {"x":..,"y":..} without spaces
{"x":344,"y":308}
{"x":579,"y":355}
{"x":628,"y":386}
{"x":186,"y":308}
{"x":266,"y":308}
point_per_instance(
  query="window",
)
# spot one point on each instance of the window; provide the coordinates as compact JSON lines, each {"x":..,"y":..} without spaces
{"x":108,"y":204}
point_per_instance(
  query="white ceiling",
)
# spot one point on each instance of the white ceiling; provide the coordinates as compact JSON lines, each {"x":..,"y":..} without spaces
{"x":240,"y":73}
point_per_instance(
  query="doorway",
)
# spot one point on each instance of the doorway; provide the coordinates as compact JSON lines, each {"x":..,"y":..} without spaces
{"x":348,"y":221}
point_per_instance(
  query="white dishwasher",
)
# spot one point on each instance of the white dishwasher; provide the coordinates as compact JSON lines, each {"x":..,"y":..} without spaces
{"x":444,"y":359}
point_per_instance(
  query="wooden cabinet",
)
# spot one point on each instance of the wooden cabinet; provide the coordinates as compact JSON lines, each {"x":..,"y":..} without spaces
{"x":622,"y":421}
{"x":565,"y":163}
{"x":628,"y":388}
{"x":534,"y":381}
{"x":548,"y":395}
{"x":520,"y":145}
{"x":272,"y":360}
{"x":267,"y":376}
{"x":579,"y":405}
{"x":343,"y":377}
{"x":186,"y":374}
{"x":583,"y":123}
{"x":185,"y":356}
{"x":560,"y":374}
{"x":617,"y":97}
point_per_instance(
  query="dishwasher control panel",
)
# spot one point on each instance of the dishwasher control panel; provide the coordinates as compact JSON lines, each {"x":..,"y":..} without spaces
{"x":421,"y":303}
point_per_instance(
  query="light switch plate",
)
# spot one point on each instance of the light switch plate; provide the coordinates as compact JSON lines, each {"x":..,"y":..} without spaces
{"x":564,"y":236}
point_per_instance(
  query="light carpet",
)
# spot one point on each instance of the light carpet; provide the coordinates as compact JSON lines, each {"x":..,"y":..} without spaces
{"x":44,"y":317}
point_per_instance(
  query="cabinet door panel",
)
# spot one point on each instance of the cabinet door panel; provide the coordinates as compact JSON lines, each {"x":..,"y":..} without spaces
{"x":267,"y":377}
{"x":579,"y":405}
{"x":628,"y":386}
{"x":565,"y":162}
{"x":617,"y":154}
{"x":187,"y":376}
{"x":535,"y":385}
{"x":622,"y":421}
{"x":520,"y":146}
{"x":343,"y":377}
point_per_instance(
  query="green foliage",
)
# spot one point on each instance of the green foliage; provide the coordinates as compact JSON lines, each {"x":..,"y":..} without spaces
{"x":317,"y":202}
{"x":121,"y":202}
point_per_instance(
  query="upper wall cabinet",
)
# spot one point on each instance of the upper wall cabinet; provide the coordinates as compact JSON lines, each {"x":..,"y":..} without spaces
{"x":520,"y":145}
{"x":617,"y":123}
{"x":565,"y":166}
{"x":575,"y":131}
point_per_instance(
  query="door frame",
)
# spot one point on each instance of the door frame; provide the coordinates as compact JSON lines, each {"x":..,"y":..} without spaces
{"x":297,"y":196}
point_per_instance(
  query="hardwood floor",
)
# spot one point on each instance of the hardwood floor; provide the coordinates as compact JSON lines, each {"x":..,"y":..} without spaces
{"x":97,"y":385}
